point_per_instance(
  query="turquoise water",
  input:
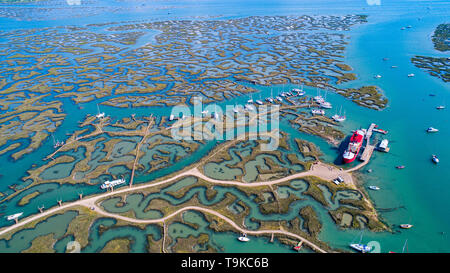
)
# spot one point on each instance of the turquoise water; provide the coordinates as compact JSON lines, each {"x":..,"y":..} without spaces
{"x":421,"y":190}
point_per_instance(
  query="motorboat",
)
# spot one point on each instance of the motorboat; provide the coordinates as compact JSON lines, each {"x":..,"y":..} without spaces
{"x":243,"y":238}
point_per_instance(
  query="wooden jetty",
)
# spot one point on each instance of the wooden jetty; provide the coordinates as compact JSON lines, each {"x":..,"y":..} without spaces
{"x":368,"y":149}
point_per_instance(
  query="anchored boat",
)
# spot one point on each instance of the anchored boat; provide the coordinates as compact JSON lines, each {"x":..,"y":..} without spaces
{"x":110,"y":184}
{"x":361,"y":247}
{"x":14,"y":216}
{"x":435,"y":159}
{"x":99,"y":115}
{"x":243,"y":238}
{"x":318,"y":112}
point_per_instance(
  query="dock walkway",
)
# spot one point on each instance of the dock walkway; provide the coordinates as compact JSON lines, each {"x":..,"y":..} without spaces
{"x":368,"y":149}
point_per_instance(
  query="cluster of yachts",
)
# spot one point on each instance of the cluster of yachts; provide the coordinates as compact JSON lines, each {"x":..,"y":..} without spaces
{"x":326,"y":105}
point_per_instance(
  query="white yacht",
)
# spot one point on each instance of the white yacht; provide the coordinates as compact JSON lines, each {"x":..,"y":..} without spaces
{"x":338,"y":117}
{"x":411,"y":75}
{"x":318,"y":112}
{"x":250,"y":100}
{"x":375,"y":188}
{"x":440,"y":107}
{"x":435,"y":159}
{"x":243,"y":238}
{"x":109,"y":184}
{"x":326,"y":104}
{"x":14,"y":216}
{"x":99,"y":115}
{"x":249,"y":107}
{"x":318,"y":98}
{"x":377,"y":76}
{"x":432,"y":130}
{"x":299,"y":92}
{"x":361,"y":247}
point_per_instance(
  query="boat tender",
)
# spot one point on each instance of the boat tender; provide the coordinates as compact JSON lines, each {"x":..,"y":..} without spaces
{"x":435,"y":159}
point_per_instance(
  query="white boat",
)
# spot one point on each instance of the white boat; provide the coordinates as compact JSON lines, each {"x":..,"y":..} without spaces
{"x":326,"y":104}
{"x":440,"y":107}
{"x":243,"y":238}
{"x":406,"y":226}
{"x":299,"y":92}
{"x":411,"y":75}
{"x":171,"y":117}
{"x":249,"y":107}
{"x":318,"y":112}
{"x":338,"y":117}
{"x":205,"y":112}
{"x":57,"y":143}
{"x":109,"y":184}
{"x":377,"y":76}
{"x":14,"y":216}
{"x":279,"y":99}
{"x":318,"y":98}
{"x":99,"y":115}
{"x":432,"y":130}
{"x":250,"y":100}
{"x":259,"y":102}
{"x":269,"y":100}
{"x":435,"y":159}
{"x":361,"y":247}
{"x":375,"y":188}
